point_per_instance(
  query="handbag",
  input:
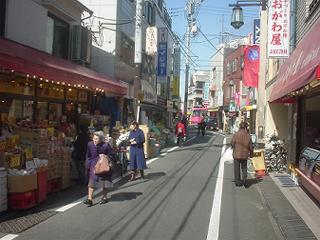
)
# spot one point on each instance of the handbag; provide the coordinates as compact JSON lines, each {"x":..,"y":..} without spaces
{"x":103,"y":166}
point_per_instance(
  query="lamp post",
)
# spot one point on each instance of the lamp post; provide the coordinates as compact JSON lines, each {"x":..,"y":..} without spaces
{"x":237,"y":13}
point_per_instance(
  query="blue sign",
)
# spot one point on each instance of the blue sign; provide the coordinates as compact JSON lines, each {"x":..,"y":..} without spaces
{"x":162,"y":60}
{"x":256,"y":31}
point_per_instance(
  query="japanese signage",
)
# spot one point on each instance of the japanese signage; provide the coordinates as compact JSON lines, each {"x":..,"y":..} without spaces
{"x":176,"y":73}
{"x":256,"y":31}
{"x":162,"y":55}
{"x":278,"y":28}
{"x":151,"y":40}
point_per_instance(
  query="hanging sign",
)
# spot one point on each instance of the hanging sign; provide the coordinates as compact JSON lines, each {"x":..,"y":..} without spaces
{"x":278,"y":29}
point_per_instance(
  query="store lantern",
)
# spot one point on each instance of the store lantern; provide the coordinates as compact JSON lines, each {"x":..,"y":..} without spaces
{"x":237,"y":17}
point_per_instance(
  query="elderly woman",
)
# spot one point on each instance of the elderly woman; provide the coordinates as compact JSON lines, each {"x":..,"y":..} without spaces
{"x":137,"y":158}
{"x":95,"y":147}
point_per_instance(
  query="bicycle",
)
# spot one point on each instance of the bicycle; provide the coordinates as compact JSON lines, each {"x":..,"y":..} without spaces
{"x":122,"y":159}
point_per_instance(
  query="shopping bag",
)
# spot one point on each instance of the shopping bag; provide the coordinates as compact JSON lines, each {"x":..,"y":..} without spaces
{"x":103,"y":165}
{"x":227,"y":156}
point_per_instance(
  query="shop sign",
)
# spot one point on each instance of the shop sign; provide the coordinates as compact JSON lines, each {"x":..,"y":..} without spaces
{"x":176,"y":87}
{"x":72,"y":94}
{"x":151,"y":40}
{"x":256,"y":31}
{"x":149,"y":93}
{"x":162,"y":55}
{"x":16,"y":85}
{"x":83,"y":96}
{"x":162,"y":101}
{"x":278,"y":29}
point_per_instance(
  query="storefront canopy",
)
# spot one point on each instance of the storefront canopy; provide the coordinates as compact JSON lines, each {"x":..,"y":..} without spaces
{"x":301,"y":67}
{"x":17,"y":57}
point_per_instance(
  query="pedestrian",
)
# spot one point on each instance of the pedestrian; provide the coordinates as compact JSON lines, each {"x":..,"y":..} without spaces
{"x":242,"y":149}
{"x":180,"y":132}
{"x":96,"y":147}
{"x":137,"y":158}
{"x":79,"y":152}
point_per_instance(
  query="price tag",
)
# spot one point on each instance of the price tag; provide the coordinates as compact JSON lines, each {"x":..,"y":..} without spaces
{"x":14,"y":161}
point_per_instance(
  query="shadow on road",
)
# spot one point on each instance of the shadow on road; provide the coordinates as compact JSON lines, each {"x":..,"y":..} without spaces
{"x":124,"y":196}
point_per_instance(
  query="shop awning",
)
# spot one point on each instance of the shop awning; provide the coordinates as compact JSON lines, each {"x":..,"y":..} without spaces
{"x":20,"y":58}
{"x":301,"y":67}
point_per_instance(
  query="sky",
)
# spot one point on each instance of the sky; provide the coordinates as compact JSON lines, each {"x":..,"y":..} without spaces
{"x":213,"y":17}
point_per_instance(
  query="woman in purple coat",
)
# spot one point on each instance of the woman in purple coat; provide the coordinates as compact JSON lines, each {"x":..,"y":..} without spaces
{"x":95,"y":147}
{"x":137,"y":158}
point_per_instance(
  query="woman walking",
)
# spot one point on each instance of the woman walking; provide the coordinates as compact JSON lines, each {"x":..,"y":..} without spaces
{"x":137,"y":159}
{"x":96,"y":147}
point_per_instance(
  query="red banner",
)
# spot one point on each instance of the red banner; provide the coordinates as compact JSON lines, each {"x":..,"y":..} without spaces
{"x":251,"y":66}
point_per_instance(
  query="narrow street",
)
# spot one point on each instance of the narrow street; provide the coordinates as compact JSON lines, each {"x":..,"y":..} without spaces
{"x":173,"y":202}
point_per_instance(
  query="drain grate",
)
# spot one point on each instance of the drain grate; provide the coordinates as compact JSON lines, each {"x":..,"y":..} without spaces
{"x":290,"y":223}
{"x":23,"y":223}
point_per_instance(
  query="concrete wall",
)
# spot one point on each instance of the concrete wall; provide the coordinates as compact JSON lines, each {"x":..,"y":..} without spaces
{"x":26,"y":23}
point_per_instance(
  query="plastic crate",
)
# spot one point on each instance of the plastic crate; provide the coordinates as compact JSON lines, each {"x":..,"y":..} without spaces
{"x":22,"y":201}
{"x":54,"y":185}
{"x":41,"y":192}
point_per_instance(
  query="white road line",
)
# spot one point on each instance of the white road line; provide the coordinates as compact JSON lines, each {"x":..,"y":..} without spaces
{"x":66,"y":207}
{"x":151,"y":160}
{"x":191,"y":139}
{"x":9,"y":237}
{"x":214,"y":225}
{"x":172,"y":149}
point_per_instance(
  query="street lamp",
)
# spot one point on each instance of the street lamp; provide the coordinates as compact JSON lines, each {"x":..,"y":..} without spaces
{"x":237,"y":13}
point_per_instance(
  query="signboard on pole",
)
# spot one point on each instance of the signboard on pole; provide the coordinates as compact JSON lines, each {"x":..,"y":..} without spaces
{"x":162,"y":55}
{"x":256,"y":31}
{"x":176,"y":73}
{"x":151,"y":41}
{"x":278,"y":29}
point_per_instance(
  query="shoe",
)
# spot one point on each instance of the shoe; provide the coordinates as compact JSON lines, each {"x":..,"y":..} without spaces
{"x":132,"y":177}
{"x":103,"y":201}
{"x":238,"y":184}
{"x":88,"y":202}
{"x":246,"y":185}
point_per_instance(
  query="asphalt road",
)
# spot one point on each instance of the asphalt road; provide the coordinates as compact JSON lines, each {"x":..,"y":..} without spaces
{"x":173,"y":202}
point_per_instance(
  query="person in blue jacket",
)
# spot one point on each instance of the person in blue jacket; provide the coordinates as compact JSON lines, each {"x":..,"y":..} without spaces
{"x":137,"y":158}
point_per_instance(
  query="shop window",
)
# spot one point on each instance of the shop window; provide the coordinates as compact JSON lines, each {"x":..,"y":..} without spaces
{"x":42,"y":111}
{"x":2,"y":17}
{"x":57,"y":37}
{"x":16,"y":110}
{"x":312,"y":119}
{"x":55,"y":112}
{"x":17,"y":85}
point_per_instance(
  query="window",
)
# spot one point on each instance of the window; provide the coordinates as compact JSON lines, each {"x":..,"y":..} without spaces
{"x":57,"y":37}
{"x":228,"y":69}
{"x":311,"y":6}
{"x":235,"y":67}
{"x":149,"y":13}
{"x":2,"y":17}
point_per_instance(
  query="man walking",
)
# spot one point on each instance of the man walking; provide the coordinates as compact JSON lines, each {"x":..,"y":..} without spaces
{"x":242,"y":149}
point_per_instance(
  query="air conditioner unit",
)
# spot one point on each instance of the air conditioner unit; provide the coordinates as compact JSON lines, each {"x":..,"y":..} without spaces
{"x":81,"y":44}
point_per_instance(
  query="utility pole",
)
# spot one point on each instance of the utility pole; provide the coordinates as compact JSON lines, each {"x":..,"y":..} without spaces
{"x":138,"y":54}
{"x":190,"y":11}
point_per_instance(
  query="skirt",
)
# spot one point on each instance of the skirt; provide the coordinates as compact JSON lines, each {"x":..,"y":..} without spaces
{"x":100,"y":183}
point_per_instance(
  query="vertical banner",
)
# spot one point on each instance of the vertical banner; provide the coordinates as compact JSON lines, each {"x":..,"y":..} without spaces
{"x":278,"y":29}
{"x":176,"y":72}
{"x":162,"y":55}
{"x":256,"y":31}
{"x":151,"y":41}
{"x":251,"y":66}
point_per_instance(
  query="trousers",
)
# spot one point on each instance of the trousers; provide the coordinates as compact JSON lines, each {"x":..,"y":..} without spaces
{"x":237,"y":163}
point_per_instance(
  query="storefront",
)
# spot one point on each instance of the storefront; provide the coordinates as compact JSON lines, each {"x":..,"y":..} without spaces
{"x":43,"y":100}
{"x":298,"y":85}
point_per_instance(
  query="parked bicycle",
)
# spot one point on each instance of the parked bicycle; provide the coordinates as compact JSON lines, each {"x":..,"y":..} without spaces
{"x":275,"y":154}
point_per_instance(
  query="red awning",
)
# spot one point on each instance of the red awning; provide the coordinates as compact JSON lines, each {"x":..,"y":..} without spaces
{"x":14,"y":56}
{"x":301,"y":67}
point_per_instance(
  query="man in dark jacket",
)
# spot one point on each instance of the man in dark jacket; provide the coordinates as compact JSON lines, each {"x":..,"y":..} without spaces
{"x":242,"y":149}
